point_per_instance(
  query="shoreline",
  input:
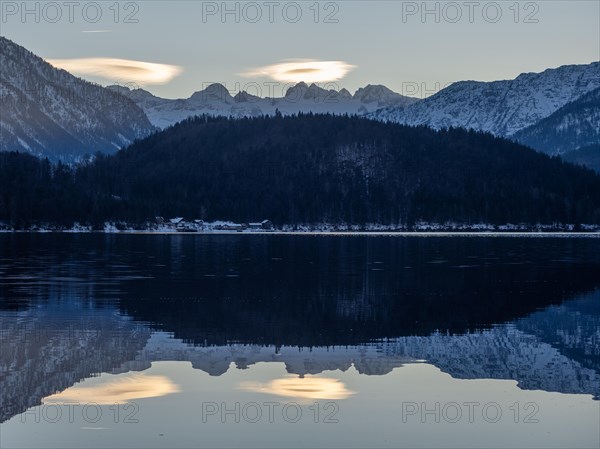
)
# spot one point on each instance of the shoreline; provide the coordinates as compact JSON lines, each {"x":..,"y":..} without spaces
{"x":179,"y":226}
{"x":436,"y":233}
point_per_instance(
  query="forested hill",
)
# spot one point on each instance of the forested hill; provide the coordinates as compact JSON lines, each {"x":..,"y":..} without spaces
{"x":306,"y":169}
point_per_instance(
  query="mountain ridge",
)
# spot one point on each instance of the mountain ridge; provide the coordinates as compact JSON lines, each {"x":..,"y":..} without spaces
{"x":500,"y":107}
{"x":574,"y":126}
{"x":50,"y":113}
{"x":215,"y":99}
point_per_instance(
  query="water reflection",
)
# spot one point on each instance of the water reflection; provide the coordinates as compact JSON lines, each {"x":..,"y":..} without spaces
{"x":117,"y":389}
{"x":302,"y":388}
{"x":89,"y":318}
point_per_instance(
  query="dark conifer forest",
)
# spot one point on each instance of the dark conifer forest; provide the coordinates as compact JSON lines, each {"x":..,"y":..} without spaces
{"x":303,"y":169}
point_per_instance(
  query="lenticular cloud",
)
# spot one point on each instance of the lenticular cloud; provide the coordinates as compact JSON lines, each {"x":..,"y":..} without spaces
{"x":309,"y":71}
{"x":120,"y":69}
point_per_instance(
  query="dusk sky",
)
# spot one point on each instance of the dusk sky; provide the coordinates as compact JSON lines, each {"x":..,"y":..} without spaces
{"x":176,"y":48}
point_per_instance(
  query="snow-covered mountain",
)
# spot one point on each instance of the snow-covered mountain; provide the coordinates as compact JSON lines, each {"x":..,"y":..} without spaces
{"x":217,"y":100}
{"x":500,"y":107}
{"x":575,"y":125}
{"x":49,"y":112}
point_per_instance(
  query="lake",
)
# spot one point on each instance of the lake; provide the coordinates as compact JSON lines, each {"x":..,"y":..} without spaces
{"x":299,"y":341}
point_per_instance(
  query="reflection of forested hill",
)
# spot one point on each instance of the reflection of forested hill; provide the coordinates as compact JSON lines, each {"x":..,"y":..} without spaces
{"x":302,"y":290}
{"x":313,"y":292}
{"x":51,"y":348}
{"x":78,"y":305}
{"x":520,"y":350}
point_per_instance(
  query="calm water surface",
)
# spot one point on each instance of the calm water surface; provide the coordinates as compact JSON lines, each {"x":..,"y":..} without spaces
{"x":298,"y":341}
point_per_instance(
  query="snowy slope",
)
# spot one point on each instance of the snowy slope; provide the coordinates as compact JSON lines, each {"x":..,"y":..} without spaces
{"x":500,"y":107}
{"x":573,"y":126}
{"x":49,"y":112}
{"x":217,"y":100}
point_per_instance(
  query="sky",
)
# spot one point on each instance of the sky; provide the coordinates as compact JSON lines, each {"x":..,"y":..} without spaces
{"x":174,"y":48}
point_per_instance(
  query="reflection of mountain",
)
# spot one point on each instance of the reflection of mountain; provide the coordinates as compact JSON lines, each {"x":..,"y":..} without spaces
{"x":572,"y":327}
{"x":512,"y":351}
{"x":503,"y":352}
{"x":49,"y":351}
{"x":74,"y":306}
{"x":216,"y":360}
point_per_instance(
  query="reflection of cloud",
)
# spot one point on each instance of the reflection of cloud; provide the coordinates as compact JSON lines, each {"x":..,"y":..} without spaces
{"x":120,"y":69}
{"x":119,"y":390}
{"x":301,"y":388}
{"x":303,"y":70}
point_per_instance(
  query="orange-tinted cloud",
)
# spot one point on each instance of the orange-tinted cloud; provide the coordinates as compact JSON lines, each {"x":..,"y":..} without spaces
{"x":301,"y":389}
{"x":303,"y":70}
{"x":121,"y":70}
